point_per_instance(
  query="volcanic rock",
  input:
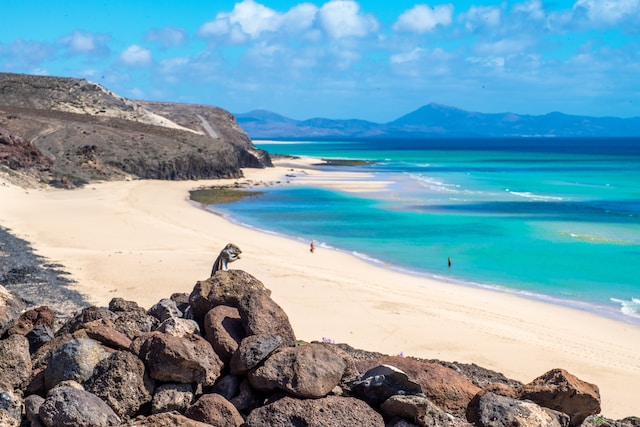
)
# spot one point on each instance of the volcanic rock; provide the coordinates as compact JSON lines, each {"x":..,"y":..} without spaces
{"x":308,"y":371}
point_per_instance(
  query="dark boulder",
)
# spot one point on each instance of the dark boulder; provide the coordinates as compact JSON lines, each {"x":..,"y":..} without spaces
{"x":223,"y":288}
{"x":223,"y":329}
{"x":308,"y":371}
{"x":120,"y":381}
{"x":330,"y":411}
{"x":15,"y":362}
{"x":492,"y":410}
{"x":253,"y":350}
{"x":188,"y":359}
{"x":10,"y":308}
{"x":215,"y":410}
{"x":68,"y":406}
{"x":73,"y":360}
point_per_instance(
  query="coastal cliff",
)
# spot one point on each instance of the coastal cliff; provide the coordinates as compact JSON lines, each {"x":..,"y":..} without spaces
{"x":78,"y":131}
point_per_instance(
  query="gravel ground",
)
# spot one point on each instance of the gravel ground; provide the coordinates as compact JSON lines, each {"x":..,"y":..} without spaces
{"x":31,"y":278}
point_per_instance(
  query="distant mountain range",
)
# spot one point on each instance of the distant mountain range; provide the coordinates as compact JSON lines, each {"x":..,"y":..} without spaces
{"x":438,"y":121}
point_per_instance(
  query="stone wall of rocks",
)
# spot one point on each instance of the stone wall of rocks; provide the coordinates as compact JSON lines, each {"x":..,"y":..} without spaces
{"x":226,"y":355}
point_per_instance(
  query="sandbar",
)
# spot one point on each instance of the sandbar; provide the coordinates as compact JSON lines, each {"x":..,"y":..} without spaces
{"x":143,"y":240}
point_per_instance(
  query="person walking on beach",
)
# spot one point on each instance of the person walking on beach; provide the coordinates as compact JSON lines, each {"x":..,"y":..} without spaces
{"x":312,"y":247}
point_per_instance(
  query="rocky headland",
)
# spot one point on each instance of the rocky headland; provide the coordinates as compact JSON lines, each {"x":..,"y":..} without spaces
{"x":226,"y":355}
{"x":67,"y":132}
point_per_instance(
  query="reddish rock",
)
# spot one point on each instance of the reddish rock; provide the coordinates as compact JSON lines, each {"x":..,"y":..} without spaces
{"x":492,"y":410}
{"x":215,"y":410}
{"x":445,"y":387}
{"x":330,"y":411}
{"x":562,"y":391}
{"x":223,"y":288}
{"x":188,"y":359}
{"x":18,"y":153}
{"x":101,"y":331}
{"x":166,"y":419}
{"x":261,"y":315}
{"x":308,"y":371}
{"x":421,"y":411}
{"x":42,"y":315}
{"x":224,"y":330}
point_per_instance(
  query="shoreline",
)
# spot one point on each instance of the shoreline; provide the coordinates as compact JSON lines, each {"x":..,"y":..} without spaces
{"x":143,"y":241}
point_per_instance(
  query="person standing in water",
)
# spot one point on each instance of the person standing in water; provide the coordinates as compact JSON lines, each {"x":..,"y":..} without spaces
{"x":449,"y":261}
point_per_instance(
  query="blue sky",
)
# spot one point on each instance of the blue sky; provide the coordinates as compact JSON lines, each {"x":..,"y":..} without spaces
{"x":340,"y":59}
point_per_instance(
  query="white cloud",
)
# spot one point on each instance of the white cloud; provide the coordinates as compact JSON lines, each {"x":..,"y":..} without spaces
{"x":136,"y":56}
{"x":423,"y":18}
{"x":532,"y":8}
{"x":299,"y":18}
{"x":412,"y":56}
{"x":609,"y":12}
{"x":342,"y":18}
{"x":80,"y":42}
{"x":167,"y":36}
{"x":479,"y":17}
{"x":494,"y":62}
{"x":248,"y":17}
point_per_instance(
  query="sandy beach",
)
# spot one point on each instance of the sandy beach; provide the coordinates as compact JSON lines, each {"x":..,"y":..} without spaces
{"x":144,"y":240}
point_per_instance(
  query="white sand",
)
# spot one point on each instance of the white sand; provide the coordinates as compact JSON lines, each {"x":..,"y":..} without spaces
{"x":143,"y":241}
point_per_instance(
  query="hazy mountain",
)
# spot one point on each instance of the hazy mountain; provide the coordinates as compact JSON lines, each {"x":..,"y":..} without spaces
{"x":435,"y":120}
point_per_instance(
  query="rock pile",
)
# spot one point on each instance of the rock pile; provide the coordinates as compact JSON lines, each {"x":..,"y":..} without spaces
{"x":226,"y":355}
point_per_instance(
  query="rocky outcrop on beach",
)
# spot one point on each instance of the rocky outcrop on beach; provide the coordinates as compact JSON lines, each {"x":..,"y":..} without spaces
{"x":226,"y":355}
{"x":72,"y":131}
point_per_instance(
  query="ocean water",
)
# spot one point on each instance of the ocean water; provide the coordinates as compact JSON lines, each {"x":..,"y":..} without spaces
{"x":551,"y":219}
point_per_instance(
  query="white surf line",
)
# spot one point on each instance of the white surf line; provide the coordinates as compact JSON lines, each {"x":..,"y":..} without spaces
{"x":207,"y":127}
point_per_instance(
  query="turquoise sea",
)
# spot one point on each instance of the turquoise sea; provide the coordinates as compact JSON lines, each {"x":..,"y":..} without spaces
{"x":550,"y":219}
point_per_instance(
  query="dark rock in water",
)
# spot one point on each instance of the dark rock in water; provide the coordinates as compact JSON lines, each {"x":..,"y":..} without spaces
{"x":120,"y":381}
{"x":224,"y":330}
{"x":330,"y":411}
{"x":308,"y":371}
{"x":67,"y":406}
{"x":172,"y":397}
{"x":15,"y":362}
{"x":420,"y":411}
{"x":491,"y":410}
{"x":73,"y":360}
{"x":10,"y":308}
{"x":380,"y":383}
{"x":253,"y":350}
{"x":559,"y":390}
{"x":187,"y":359}
{"x":215,"y":410}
